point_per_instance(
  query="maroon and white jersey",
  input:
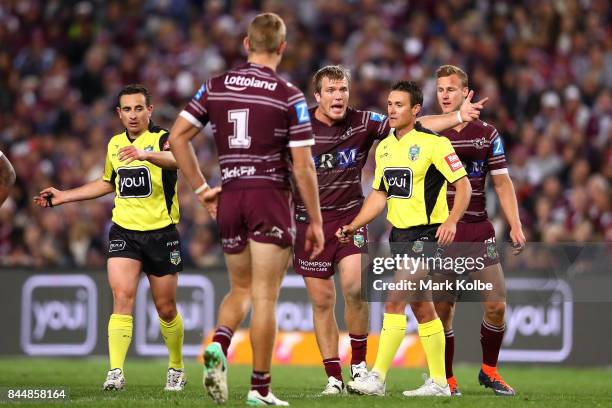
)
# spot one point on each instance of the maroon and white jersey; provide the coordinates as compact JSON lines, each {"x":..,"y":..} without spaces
{"x":256,"y":116}
{"x":481,"y":150}
{"x":340,"y":153}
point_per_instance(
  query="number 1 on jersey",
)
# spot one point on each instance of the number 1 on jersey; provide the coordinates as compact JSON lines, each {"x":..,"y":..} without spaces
{"x":240,"y":119}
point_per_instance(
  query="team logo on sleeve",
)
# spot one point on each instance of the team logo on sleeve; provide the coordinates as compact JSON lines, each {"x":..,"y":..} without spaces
{"x":134,"y":182}
{"x":301,"y":109}
{"x":200,"y":92}
{"x":377,"y":117}
{"x":399,"y":182}
{"x":413,"y":152}
{"x":453,"y":162}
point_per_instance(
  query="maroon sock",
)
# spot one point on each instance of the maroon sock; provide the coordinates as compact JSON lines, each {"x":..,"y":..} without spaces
{"x":332,"y":368}
{"x":449,"y":352}
{"x":260,"y":381}
{"x":359,"y":347}
{"x":223,"y":336}
{"x":491,"y":339}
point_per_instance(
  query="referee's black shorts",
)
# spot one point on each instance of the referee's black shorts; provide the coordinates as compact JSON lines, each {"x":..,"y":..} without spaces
{"x":415,"y":241}
{"x":158,"y":250}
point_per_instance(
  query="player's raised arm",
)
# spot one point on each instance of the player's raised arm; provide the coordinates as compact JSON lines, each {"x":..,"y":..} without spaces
{"x":468,"y":111}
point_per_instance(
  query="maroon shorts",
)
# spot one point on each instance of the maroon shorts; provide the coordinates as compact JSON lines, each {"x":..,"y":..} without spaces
{"x":475,"y":240}
{"x":323,"y":266}
{"x":263,"y":215}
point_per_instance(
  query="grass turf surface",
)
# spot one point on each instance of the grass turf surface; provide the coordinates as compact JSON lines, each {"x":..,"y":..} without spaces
{"x":537,"y":386}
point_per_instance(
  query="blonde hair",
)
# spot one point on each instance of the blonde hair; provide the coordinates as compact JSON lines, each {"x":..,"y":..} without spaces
{"x":448,"y":70}
{"x":266,"y":33}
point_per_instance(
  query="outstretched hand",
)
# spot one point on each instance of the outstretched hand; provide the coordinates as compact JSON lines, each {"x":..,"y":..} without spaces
{"x":49,"y":197}
{"x":469,"y":110}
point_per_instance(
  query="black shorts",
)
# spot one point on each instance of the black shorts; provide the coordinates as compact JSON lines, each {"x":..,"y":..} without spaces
{"x":158,"y":250}
{"x":415,"y":241}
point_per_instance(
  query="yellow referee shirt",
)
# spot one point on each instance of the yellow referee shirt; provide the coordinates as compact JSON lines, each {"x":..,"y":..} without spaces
{"x":145,"y":194}
{"x":412,"y":171}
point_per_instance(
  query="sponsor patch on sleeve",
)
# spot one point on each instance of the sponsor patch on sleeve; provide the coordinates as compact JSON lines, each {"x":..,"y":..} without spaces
{"x":498,"y":146}
{"x":453,"y":162}
{"x":301,"y":109}
{"x":200,"y":92}
{"x":377,"y":117}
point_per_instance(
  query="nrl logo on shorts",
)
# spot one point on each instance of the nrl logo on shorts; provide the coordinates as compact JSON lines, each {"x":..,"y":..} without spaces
{"x":175,"y":257}
{"x":417,"y":247}
{"x":359,"y":240}
{"x":491,"y":251}
{"x":413,"y":152}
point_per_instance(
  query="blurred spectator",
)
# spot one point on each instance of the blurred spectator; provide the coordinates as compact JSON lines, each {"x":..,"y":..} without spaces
{"x":546,"y":66}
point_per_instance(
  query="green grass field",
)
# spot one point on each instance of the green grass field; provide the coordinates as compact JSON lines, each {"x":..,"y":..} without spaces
{"x":537,"y":386}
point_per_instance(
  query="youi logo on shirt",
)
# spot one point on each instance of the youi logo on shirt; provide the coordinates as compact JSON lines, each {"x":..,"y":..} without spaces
{"x":399,"y":182}
{"x":134,"y":182}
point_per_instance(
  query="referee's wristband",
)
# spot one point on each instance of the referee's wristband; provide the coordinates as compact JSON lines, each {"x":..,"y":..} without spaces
{"x":203,"y":187}
{"x":459,"y":117}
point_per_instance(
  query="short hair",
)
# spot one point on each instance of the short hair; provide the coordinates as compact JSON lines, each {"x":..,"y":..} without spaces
{"x":266,"y":33}
{"x":332,"y":72}
{"x":133,"y":89}
{"x":411,"y":88}
{"x":448,"y":70}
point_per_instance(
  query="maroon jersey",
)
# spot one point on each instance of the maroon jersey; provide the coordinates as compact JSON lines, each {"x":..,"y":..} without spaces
{"x":481,"y":150}
{"x":340,"y":153}
{"x":255,"y":117}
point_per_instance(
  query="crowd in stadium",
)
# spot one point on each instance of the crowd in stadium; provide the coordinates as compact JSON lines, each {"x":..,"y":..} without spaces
{"x":546,"y":67}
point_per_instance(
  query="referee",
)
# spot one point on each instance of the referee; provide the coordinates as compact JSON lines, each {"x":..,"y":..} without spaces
{"x":413,"y":165}
{"x":142,"y":172}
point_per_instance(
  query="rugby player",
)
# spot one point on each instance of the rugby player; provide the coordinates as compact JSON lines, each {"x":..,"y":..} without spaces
{"x":481,"y":149}
{"x":260,"y":122}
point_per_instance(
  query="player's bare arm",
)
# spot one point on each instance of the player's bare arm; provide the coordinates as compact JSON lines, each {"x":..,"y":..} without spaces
{"x":468,"y":111}
{"x":372,"y":207}
{"x":7,"y":177}
{"x":165,"y":160}
{"x":51,"y":196}
{"x":507,"y":199}
{"x":446,"y":232}
{"x":306,"y":179}
{"x":180,"y":145}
